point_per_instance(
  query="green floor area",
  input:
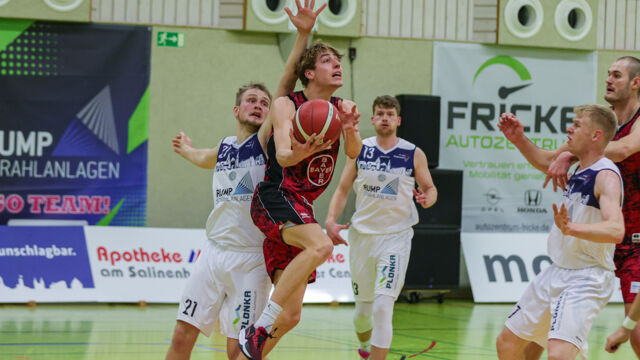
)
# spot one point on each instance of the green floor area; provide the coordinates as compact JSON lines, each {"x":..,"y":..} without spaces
{"x":426,"y":330}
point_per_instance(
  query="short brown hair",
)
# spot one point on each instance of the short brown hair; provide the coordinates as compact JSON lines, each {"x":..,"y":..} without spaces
{"x":633,"y":66}
{"x":601,"y":116}
{"x":308,"y":59}
{"x":252,"y":85}
{"x":386,"y":102}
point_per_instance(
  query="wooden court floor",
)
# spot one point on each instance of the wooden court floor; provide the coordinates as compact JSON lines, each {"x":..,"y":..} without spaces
{"x":426,"y":330}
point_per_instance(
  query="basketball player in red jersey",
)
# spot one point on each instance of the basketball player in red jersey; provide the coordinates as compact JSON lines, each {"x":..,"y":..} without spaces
{"x":296,"y":174}
{"x":623,"y":86}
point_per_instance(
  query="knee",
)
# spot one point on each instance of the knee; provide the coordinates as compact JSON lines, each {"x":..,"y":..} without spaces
{"x":323,"y":250}
{"x":502,"y":342}
{"x":184,"y":337}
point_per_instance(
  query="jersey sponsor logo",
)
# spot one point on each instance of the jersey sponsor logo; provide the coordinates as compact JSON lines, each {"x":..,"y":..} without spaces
{"x":382,"y":163}
{"x":229,"y":160}
{"x":320,"y":169}
{"x":243,"y":312}
{"x":245,"y":186}
{"x":388,"y":192}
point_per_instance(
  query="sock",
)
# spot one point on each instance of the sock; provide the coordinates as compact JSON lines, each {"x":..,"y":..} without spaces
{"x":366,"y":345}
{"x":269,"y":315}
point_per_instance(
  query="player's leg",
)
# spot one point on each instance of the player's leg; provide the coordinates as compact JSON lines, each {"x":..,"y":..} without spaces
{"x":363,"y":276}
{"x":628,"y":270}
{"x":182,"y":342}
{"x":561,"y":350}
{"x":533,"y":351}
{"x":316,"y":249}
{"x":530,"y":320}
{"x":391,"y":252}
{"x":247,"y":286}
{"x":578,"y":297}
{"x":510,"y":346}
{"x":288,"y":318}
{"x":199,"y":306}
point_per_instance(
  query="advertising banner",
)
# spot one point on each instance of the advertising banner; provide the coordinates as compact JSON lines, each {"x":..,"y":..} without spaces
{"x":477,"y":83}
{"x":122,"y":264}
{"x":73,"y":122}
{"x":501,"y":265}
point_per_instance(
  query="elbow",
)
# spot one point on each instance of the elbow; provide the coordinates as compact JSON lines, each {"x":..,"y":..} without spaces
{"x":618,"y":235}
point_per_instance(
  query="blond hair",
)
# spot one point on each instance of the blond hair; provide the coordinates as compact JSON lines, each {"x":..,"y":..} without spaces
{"x":601,"y":117}
{"x":252,"y":85}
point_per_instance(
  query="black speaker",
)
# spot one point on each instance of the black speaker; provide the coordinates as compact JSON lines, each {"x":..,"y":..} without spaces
{"x":447,"y":211}
{"x":435,"y":259}
{"x":421,"y":123}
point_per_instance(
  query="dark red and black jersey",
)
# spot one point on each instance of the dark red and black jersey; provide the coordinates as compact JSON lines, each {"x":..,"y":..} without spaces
{"x":308,"y":178}
{"x":630,"y":168}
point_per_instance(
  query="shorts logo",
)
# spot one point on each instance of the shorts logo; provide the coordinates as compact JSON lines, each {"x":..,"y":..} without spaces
{"x":320,"y":170}
{"x":388,"y":274}
{"x":243,"y":312}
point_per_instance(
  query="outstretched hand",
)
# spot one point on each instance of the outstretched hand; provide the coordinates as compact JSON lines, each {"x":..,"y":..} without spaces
{"x":313,"y":145}
{"x":305,"y":18}
{"x":421,"y":198}
{"x":616,"y":339}
{"x":561,"y":218}
{"x":557,"y":172}
{"x":181,"y":144}
{"x":333,"y":230}
{"x":511,"y":127}
{"x":349,"y":119}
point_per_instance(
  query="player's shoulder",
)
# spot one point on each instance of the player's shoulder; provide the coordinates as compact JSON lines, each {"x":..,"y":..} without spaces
{"x":406,"y":145}
{"x":283,"y":102}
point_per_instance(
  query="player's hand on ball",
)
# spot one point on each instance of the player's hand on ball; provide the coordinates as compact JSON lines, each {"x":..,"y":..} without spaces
{"x":349,"y":119}
{"x":313,"y":144}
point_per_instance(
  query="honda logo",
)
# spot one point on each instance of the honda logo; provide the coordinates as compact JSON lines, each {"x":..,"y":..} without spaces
{"x":532,"y":197}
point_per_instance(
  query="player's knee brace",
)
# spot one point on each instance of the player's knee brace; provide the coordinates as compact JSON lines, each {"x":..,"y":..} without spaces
{"x":382,"y":321}
{"x":362,"y":316}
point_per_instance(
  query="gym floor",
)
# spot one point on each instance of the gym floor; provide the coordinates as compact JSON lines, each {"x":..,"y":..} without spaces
{"x":452,"y":330}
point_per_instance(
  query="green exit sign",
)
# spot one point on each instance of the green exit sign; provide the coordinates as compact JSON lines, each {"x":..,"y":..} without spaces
{"x":170,"y":39}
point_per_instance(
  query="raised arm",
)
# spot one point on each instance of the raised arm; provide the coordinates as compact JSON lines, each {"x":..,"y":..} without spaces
{"x":339,"y":200}
{"x":350,"y":117}
{"x":426,"y":194}
{"x":204,"y":158}
{"x":288,"y":150}
{"x":304,"y":20}
{"x":513,"y":130}
{"x":608,"y":191}
{"x":624,"y":147}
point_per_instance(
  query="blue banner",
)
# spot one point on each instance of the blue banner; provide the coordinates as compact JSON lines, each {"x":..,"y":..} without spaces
{"x":74,"y":112}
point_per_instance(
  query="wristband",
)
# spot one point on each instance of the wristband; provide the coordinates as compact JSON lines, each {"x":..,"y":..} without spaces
{"x":628,"y":324}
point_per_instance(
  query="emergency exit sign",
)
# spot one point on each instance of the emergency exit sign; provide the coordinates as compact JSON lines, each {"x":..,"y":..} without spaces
{"x":170,"y":39}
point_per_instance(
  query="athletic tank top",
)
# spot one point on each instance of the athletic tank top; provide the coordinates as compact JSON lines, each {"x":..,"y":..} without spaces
{"x":384,"y":188}
{"x":572,"y":253}
{"x":239,"y":168}
{"x":308,"y":178}
{"x":630,"y":169}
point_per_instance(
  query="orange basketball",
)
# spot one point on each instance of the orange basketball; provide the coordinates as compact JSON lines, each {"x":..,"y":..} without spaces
{"x":319,"y":117}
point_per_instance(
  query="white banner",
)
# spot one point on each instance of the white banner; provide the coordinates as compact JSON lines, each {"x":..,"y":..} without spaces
{"x":122,"y":264}
{"x":502,"y":192}
{"x":501,"y":265}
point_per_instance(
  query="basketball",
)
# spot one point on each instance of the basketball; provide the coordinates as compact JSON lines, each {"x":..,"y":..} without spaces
{"x":319,"y":117}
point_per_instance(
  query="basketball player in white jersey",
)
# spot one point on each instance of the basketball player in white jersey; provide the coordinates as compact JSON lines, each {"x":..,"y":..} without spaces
{"x":558,"y":308}
{"x":383,"y":177}
{"x":230,"y":283}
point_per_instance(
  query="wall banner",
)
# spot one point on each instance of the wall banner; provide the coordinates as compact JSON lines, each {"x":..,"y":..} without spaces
{"x":74,"y":112}
{"x":122,"y":264}
{"x":502,"y":265}
{"x":502,"y":192}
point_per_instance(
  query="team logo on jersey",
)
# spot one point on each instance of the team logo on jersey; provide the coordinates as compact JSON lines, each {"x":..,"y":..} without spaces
{"x":245,"y":186}
{"x":232,"y":175}
{"x":391,"y":188}
{"x":320,"y":170}
{"x":243,"y":312}
{"x":382,"y":177}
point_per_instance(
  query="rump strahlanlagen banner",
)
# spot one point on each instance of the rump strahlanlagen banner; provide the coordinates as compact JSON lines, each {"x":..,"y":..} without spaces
{"x":74,"y":115}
